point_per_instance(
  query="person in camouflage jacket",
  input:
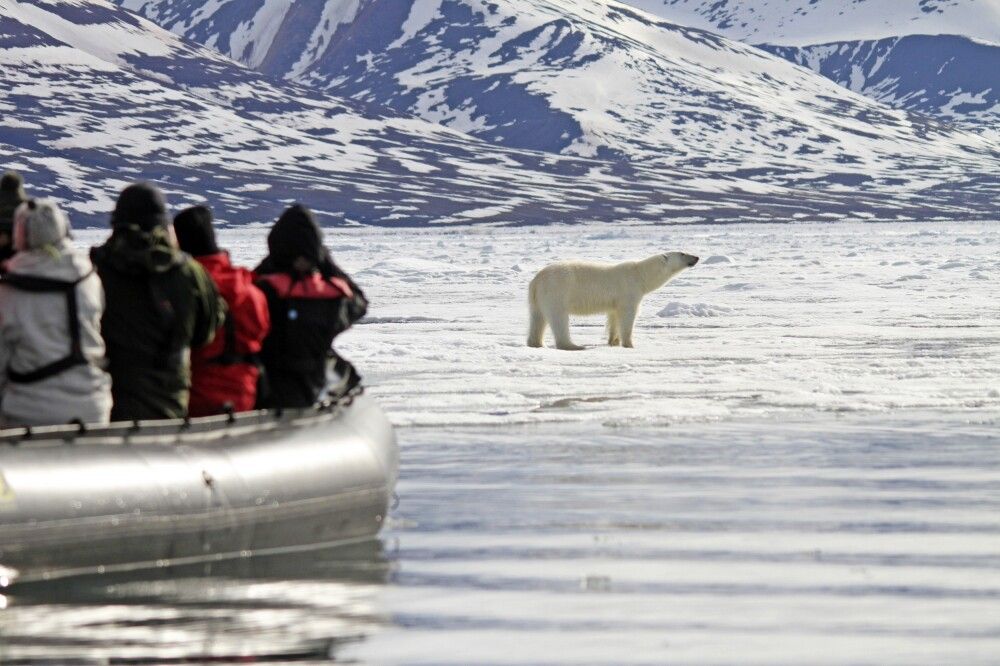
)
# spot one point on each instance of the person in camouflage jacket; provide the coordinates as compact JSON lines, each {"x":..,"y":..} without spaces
{"x":160,"y":303}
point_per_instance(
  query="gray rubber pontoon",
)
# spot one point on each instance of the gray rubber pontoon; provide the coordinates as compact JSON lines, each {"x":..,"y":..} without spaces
{"x":74,"y":500}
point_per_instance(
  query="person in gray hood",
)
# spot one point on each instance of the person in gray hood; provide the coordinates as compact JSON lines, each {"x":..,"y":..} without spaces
{"x":51,"y":350}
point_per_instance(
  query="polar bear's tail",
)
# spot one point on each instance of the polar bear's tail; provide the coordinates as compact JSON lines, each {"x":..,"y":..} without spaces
{"x":536,"y":329}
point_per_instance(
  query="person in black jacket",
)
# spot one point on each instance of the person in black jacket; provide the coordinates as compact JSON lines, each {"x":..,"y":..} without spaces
{"x":310,"y":301}
{"x":160,"y":303}
{"x":11,"y":196}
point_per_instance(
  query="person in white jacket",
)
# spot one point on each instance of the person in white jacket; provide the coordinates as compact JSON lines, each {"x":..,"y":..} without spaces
{"x":51,"y":350}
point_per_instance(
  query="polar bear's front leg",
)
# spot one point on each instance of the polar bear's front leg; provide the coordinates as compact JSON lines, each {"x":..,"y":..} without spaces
{"x":626,"y":318}
{"x":614,"y":334}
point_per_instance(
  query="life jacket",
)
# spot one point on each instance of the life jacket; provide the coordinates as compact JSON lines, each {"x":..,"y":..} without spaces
{"x":247,"y":322}
{"x":75,"y":357}
{"x":226,"y":373}
{"x":307,"y":313}
{"x":310,"y":287}
{"x":229,"y":354}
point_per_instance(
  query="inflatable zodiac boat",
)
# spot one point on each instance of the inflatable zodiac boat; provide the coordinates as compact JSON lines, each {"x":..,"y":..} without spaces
{"x":75,"y":499}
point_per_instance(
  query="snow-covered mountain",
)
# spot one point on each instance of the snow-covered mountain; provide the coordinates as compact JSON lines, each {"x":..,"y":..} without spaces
{"x":594,"y":79}
{"x":937,"y":57}
{"x":92,"y":96}
{"x":947,"y":76}
{"x":555,"y":113}
{"x":809,"y":22}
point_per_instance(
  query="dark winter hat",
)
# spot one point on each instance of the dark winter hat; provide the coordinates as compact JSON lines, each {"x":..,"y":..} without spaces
{"x":296,"y":234}
{"x":143,"y":205}
{"x":195,"y":233}
{"x":11,"y":196}
{"x":12,"y":184}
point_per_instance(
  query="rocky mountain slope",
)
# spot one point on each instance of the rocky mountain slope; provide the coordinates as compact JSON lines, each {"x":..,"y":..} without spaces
{"x":807,"y":22}
{"x":457,"y":111}
{"x":935,"y":57}
{"x":946,"y":76}
{"x":92,"y":97}
{"x":595,"y":79}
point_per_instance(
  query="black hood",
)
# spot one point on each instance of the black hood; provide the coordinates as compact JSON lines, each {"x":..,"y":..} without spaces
{"x":195,"y":233}
{"x":12,"y":186}
{"x":295,"y":234}
{"x":11,"y":196}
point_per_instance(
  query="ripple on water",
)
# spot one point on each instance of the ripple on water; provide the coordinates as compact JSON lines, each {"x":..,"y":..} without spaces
{"x":850,"y":540}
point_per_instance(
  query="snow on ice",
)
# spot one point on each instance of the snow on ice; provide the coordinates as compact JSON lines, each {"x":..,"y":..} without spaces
{"x":807,"y":320}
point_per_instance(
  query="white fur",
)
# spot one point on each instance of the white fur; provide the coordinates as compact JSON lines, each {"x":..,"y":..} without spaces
{"x":581,"y":288}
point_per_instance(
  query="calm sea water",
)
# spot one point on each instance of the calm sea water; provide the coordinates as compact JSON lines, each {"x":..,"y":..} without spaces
{"x":846,"y":541}
{"x":816,"y":522}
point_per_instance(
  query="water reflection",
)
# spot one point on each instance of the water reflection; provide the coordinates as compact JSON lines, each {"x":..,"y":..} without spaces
{"x":868,"y":541}
{"x":293,"y":607}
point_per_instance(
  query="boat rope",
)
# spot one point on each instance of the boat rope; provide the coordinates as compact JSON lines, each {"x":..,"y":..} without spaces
{"x":172,"y":428}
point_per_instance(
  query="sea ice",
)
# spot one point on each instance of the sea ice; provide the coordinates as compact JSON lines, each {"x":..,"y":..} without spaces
{"x":796,"y":327}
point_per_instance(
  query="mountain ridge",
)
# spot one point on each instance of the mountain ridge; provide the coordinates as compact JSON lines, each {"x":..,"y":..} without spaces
{"x":204,"y":126}
{"x":964,"y":87}
{"x":599,"y":80}
{"x":935,"y":57}
{"x":809,"y":22}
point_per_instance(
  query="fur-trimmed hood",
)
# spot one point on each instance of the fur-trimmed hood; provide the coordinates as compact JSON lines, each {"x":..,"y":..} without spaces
{"x":44,"y":248}
{"x":132,"y":251}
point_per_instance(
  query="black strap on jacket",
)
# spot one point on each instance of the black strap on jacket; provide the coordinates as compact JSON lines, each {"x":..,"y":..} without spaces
{"x":229,"y":355}
{"x":41,"y":285}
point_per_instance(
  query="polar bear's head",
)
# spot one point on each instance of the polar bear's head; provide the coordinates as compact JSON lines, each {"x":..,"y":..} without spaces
{"x":678,"y":261}
{"x":658,"y":269}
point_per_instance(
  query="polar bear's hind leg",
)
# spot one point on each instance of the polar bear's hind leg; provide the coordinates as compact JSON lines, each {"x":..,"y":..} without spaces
{"x":559,"y":323}
{"x":536,"y":329}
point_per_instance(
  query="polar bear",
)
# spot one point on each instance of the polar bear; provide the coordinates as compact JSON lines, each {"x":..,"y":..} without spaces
{"x":580,"y":288}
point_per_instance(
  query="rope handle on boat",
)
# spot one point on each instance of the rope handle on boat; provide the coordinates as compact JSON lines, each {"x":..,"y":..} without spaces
{"x":24,"y":435}
{"x":230,"y":413}
{"x":355,"y":392}
{"x":81,"y":429}
{"x":135,"y":426}
{"x":343,"y":400}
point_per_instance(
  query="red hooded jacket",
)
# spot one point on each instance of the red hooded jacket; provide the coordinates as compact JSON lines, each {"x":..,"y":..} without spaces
{"x":224,"y":371}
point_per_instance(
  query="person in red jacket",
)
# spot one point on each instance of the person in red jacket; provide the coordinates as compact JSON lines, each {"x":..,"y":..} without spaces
{"x":225,"y":372}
